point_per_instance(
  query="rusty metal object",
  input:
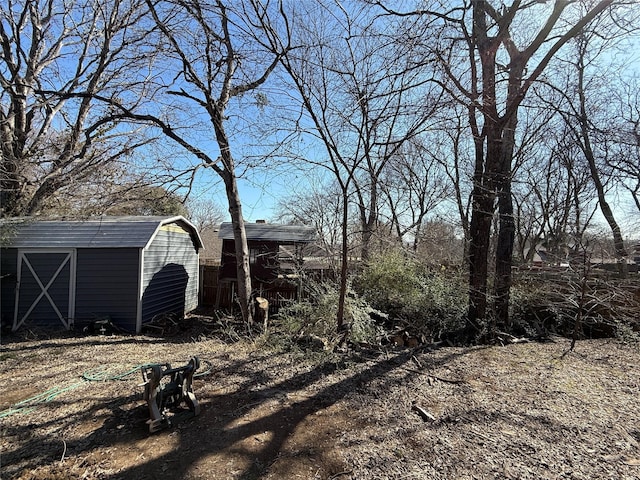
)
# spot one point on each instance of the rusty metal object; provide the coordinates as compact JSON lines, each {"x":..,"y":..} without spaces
{"x":166,"y":388}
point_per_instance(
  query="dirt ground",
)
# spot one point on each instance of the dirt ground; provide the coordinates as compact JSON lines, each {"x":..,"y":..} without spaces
{"x":521,"y":411}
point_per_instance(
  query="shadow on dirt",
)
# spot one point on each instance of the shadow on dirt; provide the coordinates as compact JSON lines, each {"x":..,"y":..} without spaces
{"x":173,"y":331}
{"x":253,"y":422}
{"x":229,"y":422}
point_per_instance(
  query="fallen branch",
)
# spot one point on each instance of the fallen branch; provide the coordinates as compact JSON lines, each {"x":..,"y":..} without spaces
{"x":339,"y":474}
{"x":507,"y":338}
{"x":64,"y":452}
{"x":426,"y":416}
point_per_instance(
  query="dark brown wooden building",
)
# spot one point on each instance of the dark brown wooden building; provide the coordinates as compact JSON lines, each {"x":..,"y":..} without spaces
{"x":275,"y":258}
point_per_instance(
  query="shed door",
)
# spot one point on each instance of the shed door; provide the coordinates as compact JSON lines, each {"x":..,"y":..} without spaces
{"x":45,"y":289}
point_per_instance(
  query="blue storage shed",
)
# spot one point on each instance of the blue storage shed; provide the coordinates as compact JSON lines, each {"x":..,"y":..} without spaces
{"x":73,"y":272}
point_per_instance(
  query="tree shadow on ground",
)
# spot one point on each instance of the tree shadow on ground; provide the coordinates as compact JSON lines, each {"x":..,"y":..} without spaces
{"x":252,"y":424}
{"x":229,"y":422}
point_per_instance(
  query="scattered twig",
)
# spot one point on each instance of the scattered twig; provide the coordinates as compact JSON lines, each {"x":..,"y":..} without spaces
{"x":64,"y":451}
{"x":426,"y":416}
{"x":414,"y":370}
{"x":448,"y":380}
{"x":417,"y":362}
{"x":435,"y":377}
{"x":483,"y":436}
{"x":339,"y":474}
{"x":627,"y":436}
{"x":507,"y":338}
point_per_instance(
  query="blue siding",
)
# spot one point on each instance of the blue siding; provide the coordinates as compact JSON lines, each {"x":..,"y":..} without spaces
{"x":8,"y":277}
{"x":107,"y":269}
{"x":170,"y":275}
{"x":107,"y":285}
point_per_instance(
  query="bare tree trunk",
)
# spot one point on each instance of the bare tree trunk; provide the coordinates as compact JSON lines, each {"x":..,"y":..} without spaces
{"x":504,"y":254}
{"x":228,"y":175}
{"x":14,"y":134}
{"x":587,"y":148}
{"x":370,"y":222}
{"x":478,"y":253}
{"x":507,"y":228}
{"x":485,"y":168}
{"x":368,"y":228}
{"x":241,"y":249}
{"x":618,"y":242}
{"x":344,"y":267}
{"x":416,"y":238}
{"x":9,"y":187}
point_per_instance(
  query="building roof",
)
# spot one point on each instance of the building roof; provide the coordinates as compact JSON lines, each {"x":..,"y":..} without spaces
{"x":100,"y":232}
{"x":271,"y":232}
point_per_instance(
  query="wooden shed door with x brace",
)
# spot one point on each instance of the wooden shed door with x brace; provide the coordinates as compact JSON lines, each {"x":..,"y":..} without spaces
{"x":46,"y":288}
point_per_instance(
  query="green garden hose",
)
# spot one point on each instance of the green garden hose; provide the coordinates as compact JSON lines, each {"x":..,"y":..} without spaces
{"x":99,"y":374}
{"x":28,"y":405}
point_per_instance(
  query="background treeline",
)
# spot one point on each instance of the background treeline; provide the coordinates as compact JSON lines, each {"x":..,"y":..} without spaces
{"x":475,"y":136}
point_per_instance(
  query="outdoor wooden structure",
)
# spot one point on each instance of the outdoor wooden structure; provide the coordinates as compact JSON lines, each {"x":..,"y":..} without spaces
{"x":275,"y":258}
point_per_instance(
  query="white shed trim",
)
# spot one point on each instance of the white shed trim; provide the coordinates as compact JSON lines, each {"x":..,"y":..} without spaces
{"x":140,"y":290}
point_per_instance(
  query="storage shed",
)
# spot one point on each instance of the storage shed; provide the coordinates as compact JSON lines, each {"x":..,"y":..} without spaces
{"x":127,"y":269}
{"x":275,"y":255}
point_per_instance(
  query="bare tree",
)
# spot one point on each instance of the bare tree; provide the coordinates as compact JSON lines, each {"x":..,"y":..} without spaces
{"x":361,"y":99}
{"x":413,"y":184}
{"x":209,"y":61}
{"x":321,"y":207}
{"x":493,"y":176}
{"x":553,"y":196}
{"x":625,"y":138}
{"x":204,"y":213}
{"x":587,"y":107}
{"x":152,"y":200}
{"x":454,"y":152}
{"x":53,"y":142}
{"x":507,"y":48}
{"x":440,"y":245}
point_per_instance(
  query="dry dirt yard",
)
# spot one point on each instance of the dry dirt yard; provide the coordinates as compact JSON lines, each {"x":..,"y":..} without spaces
{"x":519,"y":411}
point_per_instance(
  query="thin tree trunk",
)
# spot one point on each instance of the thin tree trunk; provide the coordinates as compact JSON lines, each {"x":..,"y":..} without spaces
{"x":479,"y":235}
{"x":618,"y":242}
{"x":344,"y":268}
{"x":478,"y":242}
{"x":416,"y":238}
{"x":241,"y":249}
{"x":368,"y":222}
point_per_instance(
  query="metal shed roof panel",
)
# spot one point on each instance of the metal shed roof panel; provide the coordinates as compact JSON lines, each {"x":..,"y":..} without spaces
{"x":271,"y":232}
{"x":104,"y":232}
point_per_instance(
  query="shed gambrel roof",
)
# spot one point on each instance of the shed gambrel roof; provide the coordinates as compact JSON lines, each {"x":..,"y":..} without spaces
{"x":102,"y":232}
{"x":271,"y":232}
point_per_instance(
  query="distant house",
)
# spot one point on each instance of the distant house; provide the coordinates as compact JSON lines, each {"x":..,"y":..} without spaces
{"x":275,"y":253}
{"x":70,"y":272}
